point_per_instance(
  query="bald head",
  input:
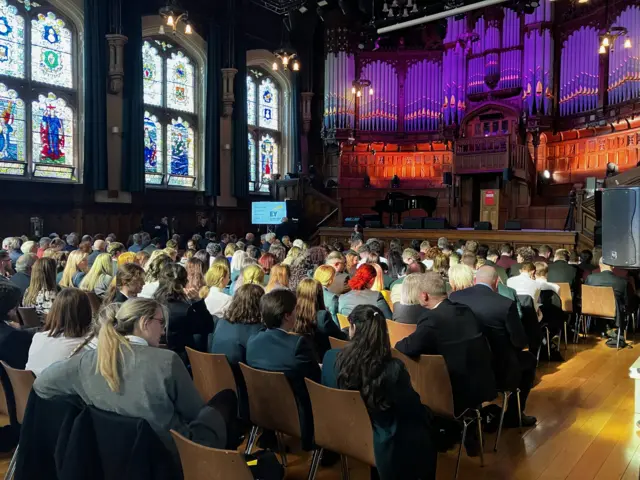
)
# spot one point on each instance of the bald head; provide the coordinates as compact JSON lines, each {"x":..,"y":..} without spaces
{"x":487,"y":275}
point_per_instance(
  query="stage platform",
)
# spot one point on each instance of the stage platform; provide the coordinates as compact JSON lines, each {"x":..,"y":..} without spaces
{"x":494,"y":238}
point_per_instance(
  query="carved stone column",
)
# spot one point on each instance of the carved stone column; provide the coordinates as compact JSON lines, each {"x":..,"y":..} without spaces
{"x":228,"y":95}
{"x":116,"y":62}
{"x":305,"y":105}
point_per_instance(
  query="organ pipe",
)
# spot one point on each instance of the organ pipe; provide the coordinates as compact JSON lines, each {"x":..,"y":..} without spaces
{"x":579,"y":75}
{"x":624,"y":63}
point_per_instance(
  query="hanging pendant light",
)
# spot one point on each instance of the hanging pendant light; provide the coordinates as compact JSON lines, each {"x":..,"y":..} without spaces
{"x":627,"y":43}
{"x":415,"y":8}
{"x":406,"y":12}
{"x":602,"y":50}
{"x":395,"y":4}
{"x":391,"y":15}
{"x":385,"y":7}
{"x":173,"y":14}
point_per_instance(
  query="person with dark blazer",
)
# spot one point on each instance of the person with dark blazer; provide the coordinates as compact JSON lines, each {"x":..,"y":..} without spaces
{"x":561,"y":272}
{"x":361,"y":293}
{"x":410,"y":309}
{"x":501,"y":324}
{"x":586,"y":266}
{"x":277,"y":350}
{"x":403,"y":442}
{"x":453,"y":331}
{"x":506,"y":257}
{"x":606,"y":278}
{"x":492,"y":257}
{"x":190,"y":323}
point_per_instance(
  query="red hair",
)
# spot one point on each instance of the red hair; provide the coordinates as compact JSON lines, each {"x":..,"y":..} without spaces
{"x":364,"y":276}
{"x":267,"y":261}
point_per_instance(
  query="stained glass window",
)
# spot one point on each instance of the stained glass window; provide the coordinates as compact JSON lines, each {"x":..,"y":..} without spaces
{"x":180,"y":83}
{"x":12,"y":51}
{"x":169,"y":140}
{"x":152,"y":75}
{"x":51,"y":51}
{"x":251,"y":101}
{"x":37,"y":120}
{"x":180,"y":148}
{"x":12,"y":126}
{"x":268,"y":99}
{"x":265,"y":138}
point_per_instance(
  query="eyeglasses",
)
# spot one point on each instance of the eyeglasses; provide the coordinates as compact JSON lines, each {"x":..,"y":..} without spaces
{"x":161,"y":320}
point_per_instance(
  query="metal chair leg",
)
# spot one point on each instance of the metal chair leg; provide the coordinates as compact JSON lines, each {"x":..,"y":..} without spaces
{"x":344,"y":467}
{"x":566,"y":339}
{"x":315,"y":463}
{"x":519,"y":410}
{"x":506,"y":396}
{"x":464,"y":437}
{"x":548,"y":346}
{"x":576,"y":333}
{"x":479,"y":422}
{"x":252,"y":440}
{"x":283,"y":449}
{"x":11,"y":470}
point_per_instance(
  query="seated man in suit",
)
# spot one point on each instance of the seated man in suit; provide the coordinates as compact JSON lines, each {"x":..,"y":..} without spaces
{"x":452,"y":330}
{"x":276,"y":350}
{"x":606,"y":278}
{"x":341,"y":279}
{"x":513,"y":367}
{"x":561,"y":272}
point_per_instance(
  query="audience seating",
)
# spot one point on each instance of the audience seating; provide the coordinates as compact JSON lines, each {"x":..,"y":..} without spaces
{"x":21,"y":384}
{"x":430,"y":379}
{"x":28,"y":317}
{"x":343,"y":320}
{"x":272,"y":406}
{"x":204,"y":463}
{"x":337,"y":343}
{"x":596,"y":302}
{"x":399,"y":331}
{"x":566,"y":297}
{"x":211,"y":373}
{"x":341,"y":424}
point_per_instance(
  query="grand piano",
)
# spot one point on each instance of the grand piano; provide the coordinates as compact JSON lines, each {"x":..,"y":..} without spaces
{"x":398,"y":203}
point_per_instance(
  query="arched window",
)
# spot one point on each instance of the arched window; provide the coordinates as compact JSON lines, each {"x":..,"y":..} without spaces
{"x":264,"y":117}
{"x":170,"y":118}
{"x":37,"y":93}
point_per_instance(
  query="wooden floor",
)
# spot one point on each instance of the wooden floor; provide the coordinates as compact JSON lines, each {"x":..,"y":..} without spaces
{"x":586,"y":427}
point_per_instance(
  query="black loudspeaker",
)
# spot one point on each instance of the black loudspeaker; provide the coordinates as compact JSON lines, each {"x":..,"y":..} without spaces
{"x":351,"y":221}
{"x":435,"y":223}
{"x":507,"y":174}
{"x":482,"y":226}
{"x":372,"y":220}
{"x":447,"y":178}
{"x":412,"y":223}
{"x":621,"y":226}
{"x":512,"y":225}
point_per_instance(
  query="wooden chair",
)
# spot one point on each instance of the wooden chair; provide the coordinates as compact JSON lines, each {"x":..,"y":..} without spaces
{"x":211,"y":373}
{"x":29,"y":317}
{"x":430,"y":379}
{"x":387,"y":296}
{"x":596,"y":302}
{"x":95,"y":302}
{"x":566,"y":297}
{"x":272,"y":406}
{"x":204,"y":463}
{"x":398,"y":331}
{"x":341,"y":424}
{"x":343,"y":320}
{"x":337,"y":343}
{"x":21,"y":383}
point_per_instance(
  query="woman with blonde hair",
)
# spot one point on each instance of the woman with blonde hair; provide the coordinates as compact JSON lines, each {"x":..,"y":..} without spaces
{"x":172,"y":252}
{"x":128,"y":284}
{"x":229,"y":250}
{"x":155,"y":254}
{"x":195,"y":275}
{"x":154,"y":267}
{"x":99,"y":276}
{"x":460,"y":277}
{"x":279,"y":277}
{"x":126,"y":257}
{"x":253,"y":275}
{"x":236,"y":264}
{"x":378,"y":283}
{"x":292,"y":255}
{"x":312,"y":318}
{"x":42,"y":288}
{"x":127,"y":375}
{"x":216,"y":279}
{"x":142,"y":257}
{"x":75,"y":269}
{"x":325,"y":274}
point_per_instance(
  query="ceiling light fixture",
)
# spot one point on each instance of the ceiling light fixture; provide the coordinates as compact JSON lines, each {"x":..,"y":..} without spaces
{"x":173,"y":14}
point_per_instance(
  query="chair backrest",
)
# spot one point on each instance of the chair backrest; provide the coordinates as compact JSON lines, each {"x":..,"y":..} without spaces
{"x":598,"y":301}
{"x":566,"y":297}
{"x":21,"y":383}
{"x":337,"y":343}
{"x":204,"y":463}
{"x":398,"y":331}
{"x":29,"y":317}
{"x":341,"y":422}
{"x":95,"y":302}
{"x":272,"y":404}
{"x":343,"y":320}
{"x":430,"y":379}
{"x":386,"y":294}
{"x":211,"y":373}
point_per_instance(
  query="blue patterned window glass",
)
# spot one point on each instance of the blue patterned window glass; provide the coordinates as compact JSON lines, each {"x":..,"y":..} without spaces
{"x":180,"y":83}
{"x":52,"y":130}
{"x":268,"y":100}
{"x":12,"y":126}
{"x":180,"y":148}
{"x":153,"y":157}
{"x":12,"y":50}
{"x":152,"y":75}
{"x":51,"y":44}
{"x":251,"y":101}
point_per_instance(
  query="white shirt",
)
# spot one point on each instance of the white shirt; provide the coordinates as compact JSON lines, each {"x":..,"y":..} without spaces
{"x":46,"y":351}
{"x":544,"y":285}
{"x":428,"y":263}
{"x":217,"y":301}
{"x":382,"y":260}
{"x":149,"y":289}
{"x":523,"y":284}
